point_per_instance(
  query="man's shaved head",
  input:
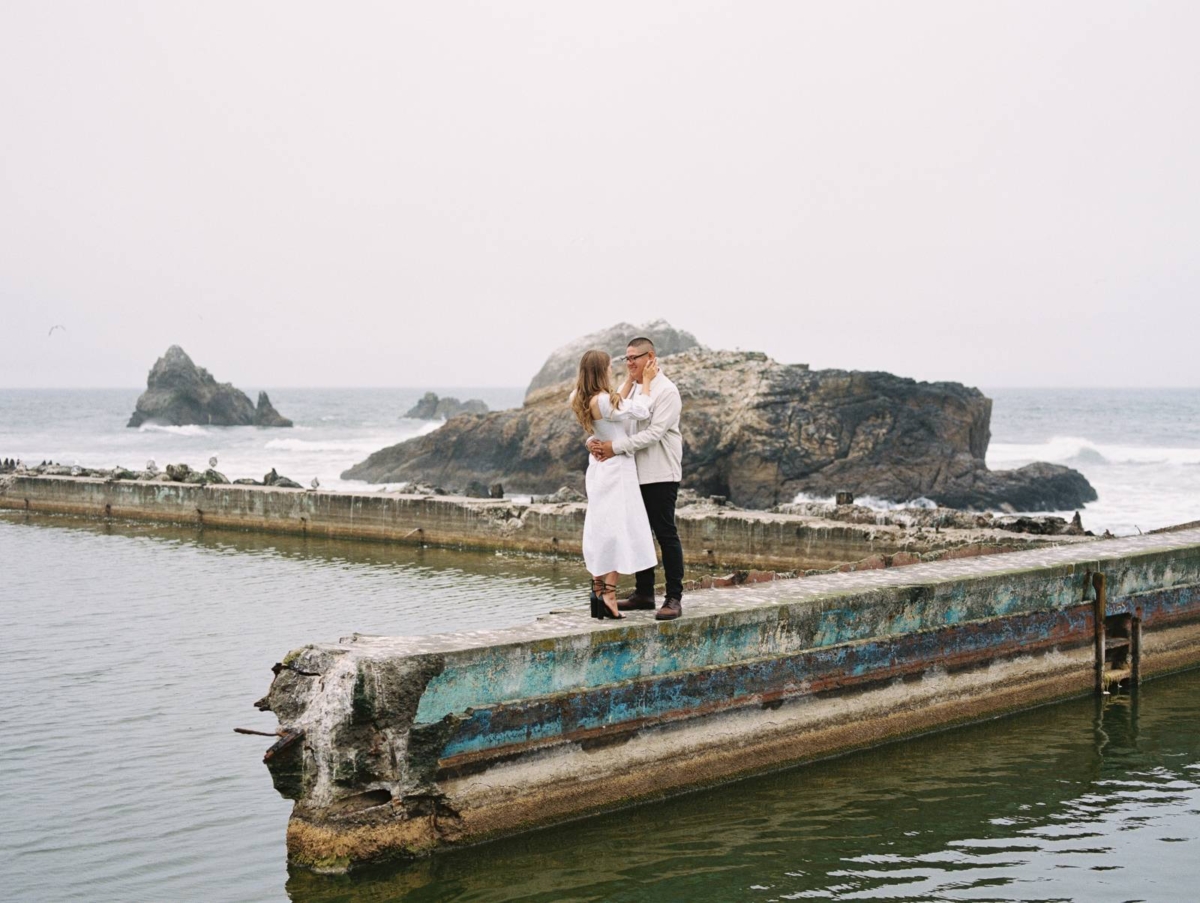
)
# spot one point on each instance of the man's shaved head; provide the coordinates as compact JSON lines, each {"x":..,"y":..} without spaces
{"x":641,"y":343}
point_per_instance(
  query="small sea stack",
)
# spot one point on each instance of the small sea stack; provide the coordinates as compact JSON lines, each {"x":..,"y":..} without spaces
{"x":179,"y":393}
{"x":430,"y":407}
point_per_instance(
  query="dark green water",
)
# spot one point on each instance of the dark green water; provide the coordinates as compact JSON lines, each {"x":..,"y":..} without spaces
{"x":1076,"y":801}
{"x":128,"y":654}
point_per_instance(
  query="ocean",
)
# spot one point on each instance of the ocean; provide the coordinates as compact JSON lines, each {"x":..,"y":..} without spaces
{"x":129,"y":652}
{"x":1140,"y":448}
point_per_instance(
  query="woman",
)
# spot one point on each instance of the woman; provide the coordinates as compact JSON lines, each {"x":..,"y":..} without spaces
{"x":616,"y":531}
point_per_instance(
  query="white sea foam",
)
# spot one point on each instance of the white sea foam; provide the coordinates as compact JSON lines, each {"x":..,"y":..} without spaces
{"x":866,"y":501}
{"x":190,"y":429}
{"x":326,"y":445}
{"x":808,"y":498}
{"x":1075,"y":450}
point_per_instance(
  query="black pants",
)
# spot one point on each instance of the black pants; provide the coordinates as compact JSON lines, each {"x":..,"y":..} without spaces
{"x":660,"y":507}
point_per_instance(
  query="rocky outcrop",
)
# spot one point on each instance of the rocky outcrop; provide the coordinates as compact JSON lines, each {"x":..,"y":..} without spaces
{"x":178,"y":393}
{"x":266,"y":415}
{"x":563,"y":363}
{"x":278,"y":481}
{"x":430,"y":407}
{"x":758,"y":433}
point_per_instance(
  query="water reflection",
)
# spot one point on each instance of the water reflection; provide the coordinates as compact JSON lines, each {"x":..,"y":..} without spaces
{"x":127,"y":654}
{"x":1068,"y":802}
{"x":316,"y":548}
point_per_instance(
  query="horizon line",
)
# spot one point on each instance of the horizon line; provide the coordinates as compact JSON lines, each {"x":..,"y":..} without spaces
{"x":524,"y":387}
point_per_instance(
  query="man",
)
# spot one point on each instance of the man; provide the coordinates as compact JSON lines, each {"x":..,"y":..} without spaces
{"x":657,"y":447}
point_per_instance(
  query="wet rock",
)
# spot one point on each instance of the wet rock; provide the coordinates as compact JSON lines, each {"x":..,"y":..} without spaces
{"x":1037,"y":526}
{"x":214,"y":476}
{"x":266,"y":415}
{"x":178,"y":472}
{"x":1034,"y":487}
{"x":565,"y":495}
{"x":563,"y":363}
{"x":281,"y":482}
{"x":246,"y":481}
{"x":178,"y":393}
{"x":697,"y":504}
{"x":496,"y":491}
{"x":759,"y":432}
{"x":476,"y":490}
{"x":430,"y":407}
{"x":419,"y":488}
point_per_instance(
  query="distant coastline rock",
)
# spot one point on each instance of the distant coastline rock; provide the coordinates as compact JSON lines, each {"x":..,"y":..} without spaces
{"x":563,"y":362}
{"x":757,"y":433}
{"x":180,"y":393}
{"x":266,"y":415}
{"x":430,"y":407}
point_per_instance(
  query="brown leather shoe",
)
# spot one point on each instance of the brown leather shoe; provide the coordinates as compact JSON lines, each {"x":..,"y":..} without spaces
{"x":671,"y":609}
{"x":636,"y":602}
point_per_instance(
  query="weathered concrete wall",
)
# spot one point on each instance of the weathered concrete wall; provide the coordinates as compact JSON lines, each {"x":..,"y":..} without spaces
{"x":397,"y":746}
{"x":733,"y":539}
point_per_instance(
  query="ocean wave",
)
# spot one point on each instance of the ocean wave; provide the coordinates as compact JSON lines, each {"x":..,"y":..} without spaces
{"x":869,"y":501}
{"x":190,"y":429}
{"x":866,"y":501}
{"x":328,"y":445}
{"x":808,"y":498}
{"x":1082,"y":452}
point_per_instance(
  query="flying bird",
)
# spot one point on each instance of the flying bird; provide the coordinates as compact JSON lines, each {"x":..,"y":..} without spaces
{"x":151,"y":467}
{"x":52,"y":328}
{"x":315,"y":484}
{"x":212,"y":462}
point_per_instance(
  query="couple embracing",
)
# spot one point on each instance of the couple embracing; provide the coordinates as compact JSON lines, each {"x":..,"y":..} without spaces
{"x":632,"y":479}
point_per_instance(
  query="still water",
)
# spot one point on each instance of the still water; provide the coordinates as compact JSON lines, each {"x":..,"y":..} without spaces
{"x":128,"y":654}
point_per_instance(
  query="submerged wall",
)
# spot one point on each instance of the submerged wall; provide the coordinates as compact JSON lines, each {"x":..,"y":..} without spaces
{"x":733,"y":538}
{"x":396,"y":746}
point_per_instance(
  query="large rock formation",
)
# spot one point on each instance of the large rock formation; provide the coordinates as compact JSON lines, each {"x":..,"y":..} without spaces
{"x":564,"y":362}
{"x":178,"y":392}
{"x":758,"y":432}
{"x":430,"y":407}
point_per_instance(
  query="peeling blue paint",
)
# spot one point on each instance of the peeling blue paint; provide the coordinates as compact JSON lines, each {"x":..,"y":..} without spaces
{"x":521,"y":695}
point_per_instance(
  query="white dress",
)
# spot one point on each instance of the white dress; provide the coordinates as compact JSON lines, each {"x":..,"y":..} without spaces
{"x":616,"y":531}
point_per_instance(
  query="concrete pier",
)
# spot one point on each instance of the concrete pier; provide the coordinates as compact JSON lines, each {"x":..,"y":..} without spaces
{"x":398,"y":746}
{"x":721,"y":538}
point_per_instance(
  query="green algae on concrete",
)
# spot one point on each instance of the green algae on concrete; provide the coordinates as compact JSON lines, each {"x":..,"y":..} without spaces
{"x":725,"y":539}
{"x":477,"y":734}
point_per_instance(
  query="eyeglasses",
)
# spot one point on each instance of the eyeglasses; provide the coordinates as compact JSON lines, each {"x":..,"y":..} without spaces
{"x":630,"y":360}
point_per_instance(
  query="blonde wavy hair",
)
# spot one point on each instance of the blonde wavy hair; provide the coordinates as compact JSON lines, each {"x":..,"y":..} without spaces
{"x":592,"y":380}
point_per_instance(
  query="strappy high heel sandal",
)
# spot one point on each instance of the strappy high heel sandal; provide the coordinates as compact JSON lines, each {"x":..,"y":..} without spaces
{"x":600,"y":609}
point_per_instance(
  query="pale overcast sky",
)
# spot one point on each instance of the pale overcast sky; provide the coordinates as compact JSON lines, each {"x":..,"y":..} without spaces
{"x":438,"y":193}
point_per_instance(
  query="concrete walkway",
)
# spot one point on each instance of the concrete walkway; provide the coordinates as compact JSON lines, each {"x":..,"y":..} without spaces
{"x":714,"y":602}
